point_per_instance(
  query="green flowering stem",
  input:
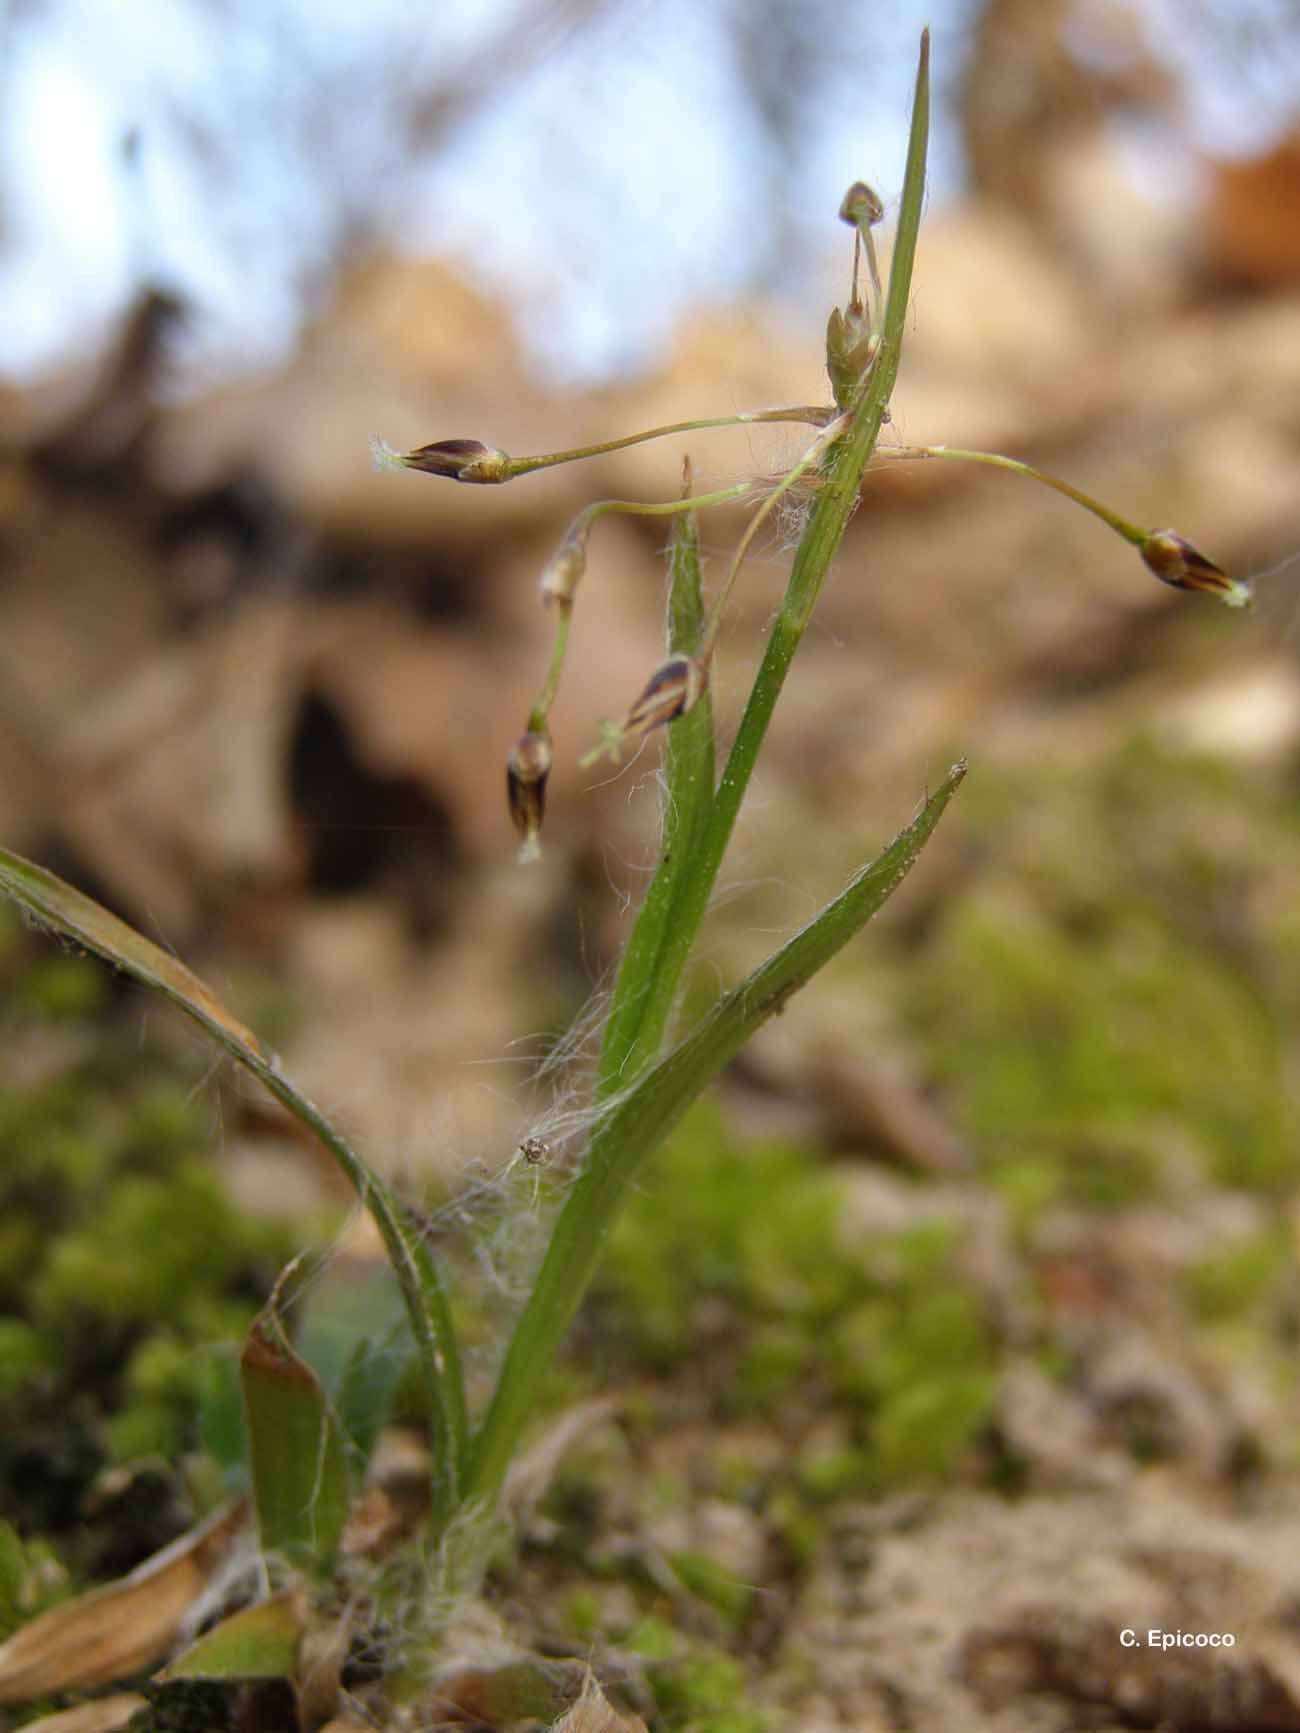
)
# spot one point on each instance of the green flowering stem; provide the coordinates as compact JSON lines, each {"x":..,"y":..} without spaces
{"x":662,"y":508}
{"x":643,"y":1000}
{"x":675,"y":686}
{"x":1171,"y":557}
{"x":560,"y":581}
{"x":638,"y":1100}
{"x":635,"y":1121}
{"x":539,"y":716}
{"x":470,"y":460}
{"x":1121,"y":525}
{"x":817,"y":414}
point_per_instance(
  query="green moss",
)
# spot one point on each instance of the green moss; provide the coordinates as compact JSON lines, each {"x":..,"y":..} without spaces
{"x":31,"y":1579}
{"x":62,"y":988}
{"x":653,"y":1638}
{"x":923,"y":1428}
{"x":716,"y":1585}
{"x":120,"y":1252}
{"x":154,"y":1245}
{"x":13,"y":1574}
{"x":1228,"y":1283}
{"x":1098,"y":995}
{"x":143,"y":1429}
{"x":707,"y":1683}
{"x":830,"y":1472}
{"x":734,"y":1261}
{"x":796,"y":1524}
{"x":581,"y":1614}
{"x":24,"y":1354}
{"x":772,"y":1363}
{"x":697,"y":1688}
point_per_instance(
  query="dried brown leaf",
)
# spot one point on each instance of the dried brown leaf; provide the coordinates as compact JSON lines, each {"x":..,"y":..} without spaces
{"x":104,"y":1715}
{"x":593,"y":1713}
{"x":117,"y":1630}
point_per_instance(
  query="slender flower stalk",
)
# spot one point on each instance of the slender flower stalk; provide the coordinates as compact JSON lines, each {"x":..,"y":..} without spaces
{"x":862,"y":207}
{"x":559,"y":588}
{"x":676,"y":685}
{"x":469,"y":460}
{"x":1171,"y":557}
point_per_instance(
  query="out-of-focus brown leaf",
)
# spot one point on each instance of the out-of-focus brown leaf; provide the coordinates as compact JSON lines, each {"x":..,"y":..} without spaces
{"x":1252,"y":233}
{"x":104,"y":1715}
{"x":524,"y":1689}
{"x":593,"y":1713}
{"x":117,"y":1630}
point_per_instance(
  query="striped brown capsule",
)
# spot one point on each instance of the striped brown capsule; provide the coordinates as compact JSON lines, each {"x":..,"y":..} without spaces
{"x":670,"y":691}
{"x":1175,"y":561}
{"x":467,"y":460}
{"x":527,"y":769}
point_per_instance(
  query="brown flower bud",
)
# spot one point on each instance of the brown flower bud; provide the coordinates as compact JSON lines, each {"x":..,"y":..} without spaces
{"x":671,"y":691}
{"x":861,"y":206}
{"x":564,"y":568}
{"x":458,"y":459}
{"x":1175,"y":561}
{"x":527,"y":769}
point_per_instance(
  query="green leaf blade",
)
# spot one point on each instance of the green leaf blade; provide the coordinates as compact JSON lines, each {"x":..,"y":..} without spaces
{"x":260,"y":1642}
{"x":647,"y":979}
{"x":300,"y":1482}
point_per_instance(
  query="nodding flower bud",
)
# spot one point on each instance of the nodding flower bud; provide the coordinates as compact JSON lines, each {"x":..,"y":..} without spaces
{"x":1175,"y":561}
{"x":564,"y":568}
{"x":669,"y":693}
{"x":861,"y":206}
{"x":527,"y":769}
{"x":459,"y":459}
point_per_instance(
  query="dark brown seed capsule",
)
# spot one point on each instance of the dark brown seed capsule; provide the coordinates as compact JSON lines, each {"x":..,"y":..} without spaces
{"x":1175,"y":561}
{"x":671,"y":691}
{"x":527,"y":769}
{"x":466,"y":460}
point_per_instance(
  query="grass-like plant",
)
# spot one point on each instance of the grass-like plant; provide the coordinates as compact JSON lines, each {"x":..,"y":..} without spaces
{"x":305,"y":1445}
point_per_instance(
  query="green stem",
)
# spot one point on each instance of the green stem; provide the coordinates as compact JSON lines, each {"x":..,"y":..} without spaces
{"x":995,"y":460}
{"x":576,"y":536}
{"x":834,"y":505}
{"x":539,"y":717}
{"x":817,"y":414}
{"x":660,"y":508}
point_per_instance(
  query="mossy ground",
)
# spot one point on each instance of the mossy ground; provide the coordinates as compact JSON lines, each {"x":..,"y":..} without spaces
{"x":123,"y":1262}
